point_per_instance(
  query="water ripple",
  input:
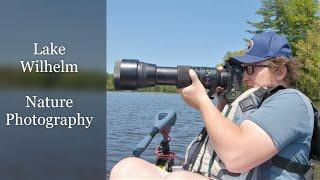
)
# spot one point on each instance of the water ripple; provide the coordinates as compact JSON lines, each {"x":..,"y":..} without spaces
{"x":130,"y":117}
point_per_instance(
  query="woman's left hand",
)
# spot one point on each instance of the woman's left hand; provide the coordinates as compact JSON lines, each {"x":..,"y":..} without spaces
{"x":194,"y":94}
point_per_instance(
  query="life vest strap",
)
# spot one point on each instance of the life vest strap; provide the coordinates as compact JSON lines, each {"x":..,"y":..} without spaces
{"x":289,"y":165}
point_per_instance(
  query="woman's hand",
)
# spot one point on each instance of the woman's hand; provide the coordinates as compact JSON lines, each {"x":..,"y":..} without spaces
{"x":194,"y":94}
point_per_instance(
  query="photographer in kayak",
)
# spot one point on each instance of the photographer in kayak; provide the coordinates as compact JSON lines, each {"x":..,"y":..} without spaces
{"x":258,"y":137}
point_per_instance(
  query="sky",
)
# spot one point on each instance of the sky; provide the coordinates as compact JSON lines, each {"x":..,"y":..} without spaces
{"x":177,"y":32}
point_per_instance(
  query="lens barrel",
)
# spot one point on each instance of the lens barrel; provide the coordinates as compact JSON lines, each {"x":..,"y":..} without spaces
{"x":130,"y":74}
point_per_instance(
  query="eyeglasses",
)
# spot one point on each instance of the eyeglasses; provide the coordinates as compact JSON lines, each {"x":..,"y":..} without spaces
{"x":250,"y":68}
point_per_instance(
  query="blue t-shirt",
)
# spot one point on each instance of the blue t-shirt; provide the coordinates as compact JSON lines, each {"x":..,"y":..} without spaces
{"x":287,"y":117}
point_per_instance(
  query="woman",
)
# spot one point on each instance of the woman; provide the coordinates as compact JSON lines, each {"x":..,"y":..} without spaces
{"x":281,"y":126}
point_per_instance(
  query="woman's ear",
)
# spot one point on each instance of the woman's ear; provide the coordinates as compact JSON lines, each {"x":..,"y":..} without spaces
{"x":282,"y":73}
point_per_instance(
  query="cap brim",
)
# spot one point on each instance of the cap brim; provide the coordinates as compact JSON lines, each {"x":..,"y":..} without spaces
{"x":249,"y":59}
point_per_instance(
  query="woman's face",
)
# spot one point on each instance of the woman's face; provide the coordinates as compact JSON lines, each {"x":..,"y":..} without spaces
{"x":261,"y":76}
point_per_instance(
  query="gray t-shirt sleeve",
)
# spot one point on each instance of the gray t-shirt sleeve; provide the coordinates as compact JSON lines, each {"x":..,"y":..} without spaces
{"x":284,"y":117}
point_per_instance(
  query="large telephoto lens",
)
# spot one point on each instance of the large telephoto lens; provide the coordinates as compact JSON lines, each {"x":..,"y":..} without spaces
{"x":131,"y":74}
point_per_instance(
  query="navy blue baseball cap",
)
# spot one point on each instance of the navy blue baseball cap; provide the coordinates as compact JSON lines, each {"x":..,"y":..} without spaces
{"x":264,"y":46}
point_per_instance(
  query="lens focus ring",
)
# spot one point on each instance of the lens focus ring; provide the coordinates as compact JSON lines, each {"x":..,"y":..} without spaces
{"x":183,"y":79}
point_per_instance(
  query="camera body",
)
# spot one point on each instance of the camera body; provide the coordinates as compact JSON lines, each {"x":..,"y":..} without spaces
{"x":130,"y":74}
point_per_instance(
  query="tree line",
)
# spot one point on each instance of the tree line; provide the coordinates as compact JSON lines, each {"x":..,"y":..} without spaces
{"x":10,"y":77}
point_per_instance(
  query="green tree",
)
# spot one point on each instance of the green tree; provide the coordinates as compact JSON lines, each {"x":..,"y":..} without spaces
{"x":110,"y":84}
{"x":299,"y":16}
{"x":288,"y":17}
{"x":268,"y":11}
{"x":308,"y":51}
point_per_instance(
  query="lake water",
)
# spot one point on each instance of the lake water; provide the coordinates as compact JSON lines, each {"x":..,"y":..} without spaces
{"x":130,"y":117}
